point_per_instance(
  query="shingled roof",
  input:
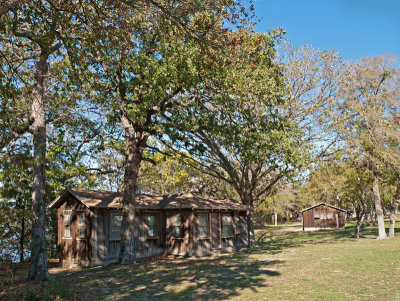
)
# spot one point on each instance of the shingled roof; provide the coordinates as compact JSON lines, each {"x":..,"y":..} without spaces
{"x":113,"y":200}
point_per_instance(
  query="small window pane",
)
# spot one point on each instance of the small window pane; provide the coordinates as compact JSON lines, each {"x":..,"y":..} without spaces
{"x":203,"y":232}
{"x":236,"y":219}
{"x":67,"y":231}
{"x":67,"y":225}
{"x":151,"y":219}
{"x":226,"y":230}
{"x":176,"y":220}
{"x":82,"y":233}
{"x":225,"y":219}
{"x":67,"y":219}
{"x":177,"y":232}
{"x":81,"y":220}
{"x":203,"y":220}
{"x":116,"y":222}
{"x":151,"y":225}
{"x":151,"y":231}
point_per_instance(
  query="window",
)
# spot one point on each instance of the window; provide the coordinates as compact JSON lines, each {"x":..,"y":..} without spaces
{"x":203,"y":226}
{"x":67,"y":224}
{"x":81,"y":226}
{"x":226,"y":227}
{"x":236,"y":223}
{"x":116,"y":222}
{"x":177,"y":226}
{"x":151,"y":224}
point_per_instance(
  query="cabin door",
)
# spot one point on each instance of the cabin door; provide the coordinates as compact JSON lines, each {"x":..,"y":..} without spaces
{"x":215,"y":231}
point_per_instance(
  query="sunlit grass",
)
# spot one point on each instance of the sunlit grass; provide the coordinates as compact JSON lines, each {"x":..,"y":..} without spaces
{"x":286,"y":265}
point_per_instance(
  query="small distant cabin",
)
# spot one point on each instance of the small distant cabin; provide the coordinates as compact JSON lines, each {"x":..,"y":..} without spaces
{"x":323,"y":216}
{"x":89,"y":226}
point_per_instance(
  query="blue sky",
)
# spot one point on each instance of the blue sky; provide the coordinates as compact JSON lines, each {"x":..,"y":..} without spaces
{"x":355,"y":28}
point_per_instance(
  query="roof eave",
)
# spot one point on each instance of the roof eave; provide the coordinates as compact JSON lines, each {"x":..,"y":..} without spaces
{"x":324,"y":205}
{"x":59,"y":200}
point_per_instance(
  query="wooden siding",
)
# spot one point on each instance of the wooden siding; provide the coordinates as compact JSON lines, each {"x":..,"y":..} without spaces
{"x":215,"y":231}
{"x":73,"y":249}
{"x":323,"y":216}
{"x":182,"y":246}
{"x":242,"y":235}
{"x":99,"y":248}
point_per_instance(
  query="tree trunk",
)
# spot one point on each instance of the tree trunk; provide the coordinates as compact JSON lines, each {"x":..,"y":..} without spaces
{"x":129,"y":226}
{"x":38,"y":266}
{"x":22,"y":237}
{"x":276,"y":219}
{"x":372,"y":217}
{"x":393,"y":209}
{"x":361,"y":211}
{"x":392,"y":221}
{"x":360,"y":222}
{"x":251,"y":239}
{"x":378,"y":208}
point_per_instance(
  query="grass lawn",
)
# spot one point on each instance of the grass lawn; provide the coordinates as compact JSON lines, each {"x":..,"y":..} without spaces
{"x":286,"y":265}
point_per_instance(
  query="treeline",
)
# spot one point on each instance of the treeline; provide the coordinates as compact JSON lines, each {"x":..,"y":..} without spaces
{"x":167,"y":97}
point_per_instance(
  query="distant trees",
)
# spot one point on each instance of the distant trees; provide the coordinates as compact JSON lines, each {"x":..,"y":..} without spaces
{"x":368,"y":119}
{"x":349,"y":114}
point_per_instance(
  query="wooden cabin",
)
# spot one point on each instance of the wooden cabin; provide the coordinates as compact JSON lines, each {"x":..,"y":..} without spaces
{"x":323,"y":216}
{"x":89,"y":226}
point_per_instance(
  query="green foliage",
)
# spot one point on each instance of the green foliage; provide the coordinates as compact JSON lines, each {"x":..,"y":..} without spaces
{"x":15,"y":200}
{"x":235,"y":126}
{"x":169,"y":174}
{"x":368,"y":115}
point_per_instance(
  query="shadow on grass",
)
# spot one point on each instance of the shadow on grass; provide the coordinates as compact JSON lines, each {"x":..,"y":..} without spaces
{"x":175,"y":279}
{"x":207,"y":278}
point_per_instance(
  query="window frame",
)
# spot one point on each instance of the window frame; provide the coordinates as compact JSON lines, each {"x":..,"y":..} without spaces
{"x":113,"y":238}
{"x":236,"y":222}
{"x":207,"y":226}
{"x":78,"y":226}
{"x":173,"y":226}
{"x":155,"y":224}
{"x":65,"y":213}
{"x":228,"y":225}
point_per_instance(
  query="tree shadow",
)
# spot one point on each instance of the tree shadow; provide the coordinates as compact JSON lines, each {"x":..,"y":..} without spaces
{"x":172,"y":279}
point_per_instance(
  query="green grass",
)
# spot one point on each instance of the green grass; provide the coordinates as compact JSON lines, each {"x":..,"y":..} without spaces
{"x":323,"y":265}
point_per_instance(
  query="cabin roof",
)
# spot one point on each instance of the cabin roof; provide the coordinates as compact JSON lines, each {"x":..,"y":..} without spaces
{"x":113,"y":200}
{"x":325,"y":205}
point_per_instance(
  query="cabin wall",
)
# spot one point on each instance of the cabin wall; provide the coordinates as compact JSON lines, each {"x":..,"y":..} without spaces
{"x":182,"y":246}
{"x":308,"y":219}
{"x":99,"y":248}
{"x":108,"y":249}
{"x":72,"y":248}
{"x":150,"y":246}
{"x":216,"y":242}
{"x":202,"y":245}
{"x":242,"y":234}
{"x":323,"y":217}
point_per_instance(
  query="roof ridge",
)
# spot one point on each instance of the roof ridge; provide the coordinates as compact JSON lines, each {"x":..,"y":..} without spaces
{"x":323,"y":203}
{"x":112,"y":199}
